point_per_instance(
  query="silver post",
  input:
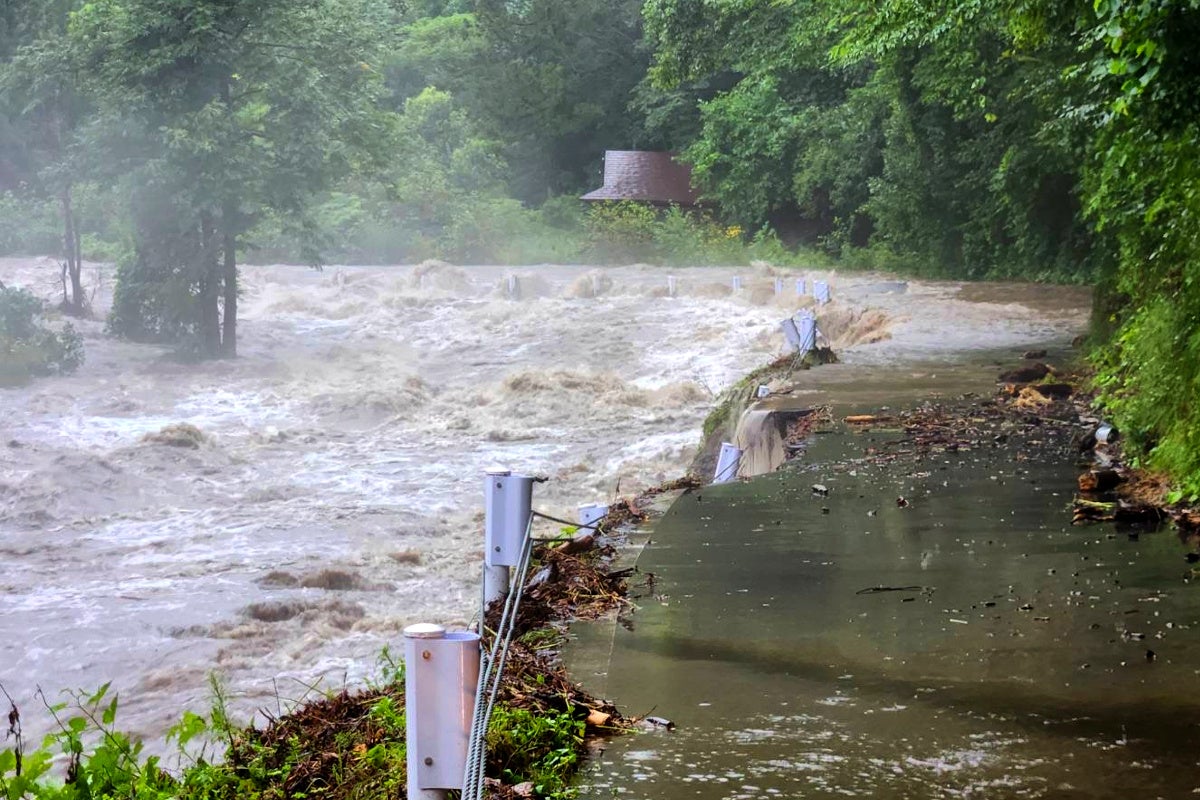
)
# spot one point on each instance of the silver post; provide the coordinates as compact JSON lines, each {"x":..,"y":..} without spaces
{"x":441,"y":672}
{"x":807,"y":329}
{"x":790,"y":333}
{"x":507,"y":506}
{"x":728,"y":462}
{"x":495,"y":584}
{"x":821,"y":292}
{"x":495,"y":576}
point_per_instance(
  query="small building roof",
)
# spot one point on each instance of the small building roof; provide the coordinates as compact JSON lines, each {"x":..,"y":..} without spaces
{"x":645,"y":175}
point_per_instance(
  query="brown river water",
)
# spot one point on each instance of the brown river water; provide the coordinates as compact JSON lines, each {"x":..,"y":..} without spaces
{"x":338,"y":495}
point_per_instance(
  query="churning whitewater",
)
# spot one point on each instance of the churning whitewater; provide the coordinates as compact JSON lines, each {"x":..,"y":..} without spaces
{"x":331,"y":491}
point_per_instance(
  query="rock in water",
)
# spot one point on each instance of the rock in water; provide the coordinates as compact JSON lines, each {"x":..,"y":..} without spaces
{"x":180,"y":434}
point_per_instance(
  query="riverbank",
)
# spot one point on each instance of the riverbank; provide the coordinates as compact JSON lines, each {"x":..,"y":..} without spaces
{"x":312,"y":524}
{"x":335,"y":497}
{"x":351,"y":744}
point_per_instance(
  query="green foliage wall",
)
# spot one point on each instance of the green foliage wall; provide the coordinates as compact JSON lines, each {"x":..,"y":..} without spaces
{"x":936,"y":151}
{"x":1144,"y":192}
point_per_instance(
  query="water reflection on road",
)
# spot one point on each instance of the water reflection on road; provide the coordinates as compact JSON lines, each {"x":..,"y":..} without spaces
{"x":1013,"y":655}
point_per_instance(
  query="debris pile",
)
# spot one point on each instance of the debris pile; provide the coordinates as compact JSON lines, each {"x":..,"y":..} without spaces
{"x":1037,"y":410}
{"x":179,"y":434}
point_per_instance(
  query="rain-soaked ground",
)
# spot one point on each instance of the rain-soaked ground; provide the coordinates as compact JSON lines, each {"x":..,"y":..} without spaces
{"x":337,"y":496}
{"x":969,"y":644}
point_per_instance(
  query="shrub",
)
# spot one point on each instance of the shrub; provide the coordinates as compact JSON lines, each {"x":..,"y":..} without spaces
{"x":563,"y":211}
{"x":479,"y":228}
{"x":152,"y":304}
{"x":27,"y":347}
{"x":622,"y":232}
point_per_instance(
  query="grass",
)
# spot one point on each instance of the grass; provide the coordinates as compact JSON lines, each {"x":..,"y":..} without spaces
{"x":341,"y":747}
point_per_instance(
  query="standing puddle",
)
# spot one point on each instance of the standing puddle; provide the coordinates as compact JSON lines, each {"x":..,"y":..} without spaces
{"x":971,"y":644}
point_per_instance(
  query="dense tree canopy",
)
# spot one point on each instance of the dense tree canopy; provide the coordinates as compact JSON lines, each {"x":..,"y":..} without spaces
{"x":220,"y":110}
{"x":925,"y":133}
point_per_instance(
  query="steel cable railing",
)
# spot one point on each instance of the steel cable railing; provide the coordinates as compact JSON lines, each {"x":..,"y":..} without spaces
{"x":491,"y":672}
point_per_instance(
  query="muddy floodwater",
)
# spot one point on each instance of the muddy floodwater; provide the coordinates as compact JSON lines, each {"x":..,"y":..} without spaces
{"x":970,"y":644}
{"x":336,"y":496}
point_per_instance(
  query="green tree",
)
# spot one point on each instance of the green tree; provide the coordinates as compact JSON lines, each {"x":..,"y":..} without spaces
{"x":1144,"y":192}
{"x":225,"y":109}
{"x":442,"y":167}
{"x":442,"y":52}
{"x":27,"y":347}
{"x":554,"y":84}
{"x":906,"y":125}
{"x":45,"y":113}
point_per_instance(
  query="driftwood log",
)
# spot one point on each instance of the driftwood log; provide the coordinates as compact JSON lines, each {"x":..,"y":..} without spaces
{"x":1097,"y":511}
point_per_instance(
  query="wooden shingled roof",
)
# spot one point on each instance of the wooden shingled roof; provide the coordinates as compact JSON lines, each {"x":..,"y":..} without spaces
{"x":647,"y":176}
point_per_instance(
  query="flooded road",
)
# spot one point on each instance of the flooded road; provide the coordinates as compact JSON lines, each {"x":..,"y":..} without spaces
{"x":336,"y":495}
{"x":971,"y":644}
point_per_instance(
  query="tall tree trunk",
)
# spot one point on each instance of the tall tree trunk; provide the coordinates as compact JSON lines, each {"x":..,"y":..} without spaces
{"x":77,"y":304}
{"x":209,"y":289}
{"x":77,"y":275}
{"x":229,"y":274}
{"x":229,"y":223}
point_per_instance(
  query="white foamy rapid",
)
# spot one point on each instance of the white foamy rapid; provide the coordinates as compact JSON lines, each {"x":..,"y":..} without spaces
{"x":337,"y":495}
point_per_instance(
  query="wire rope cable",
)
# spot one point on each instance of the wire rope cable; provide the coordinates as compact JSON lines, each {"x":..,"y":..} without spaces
{"x":493,"y":661}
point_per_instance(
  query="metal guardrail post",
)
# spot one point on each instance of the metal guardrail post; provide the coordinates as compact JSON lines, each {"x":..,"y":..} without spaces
{"x":441,"y":673}
{"x":790,"y":333}
{"x":508,"y":502}
{"x":821,"y":292}
{"x":806,"y":329}
{"x":727,"y":463}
